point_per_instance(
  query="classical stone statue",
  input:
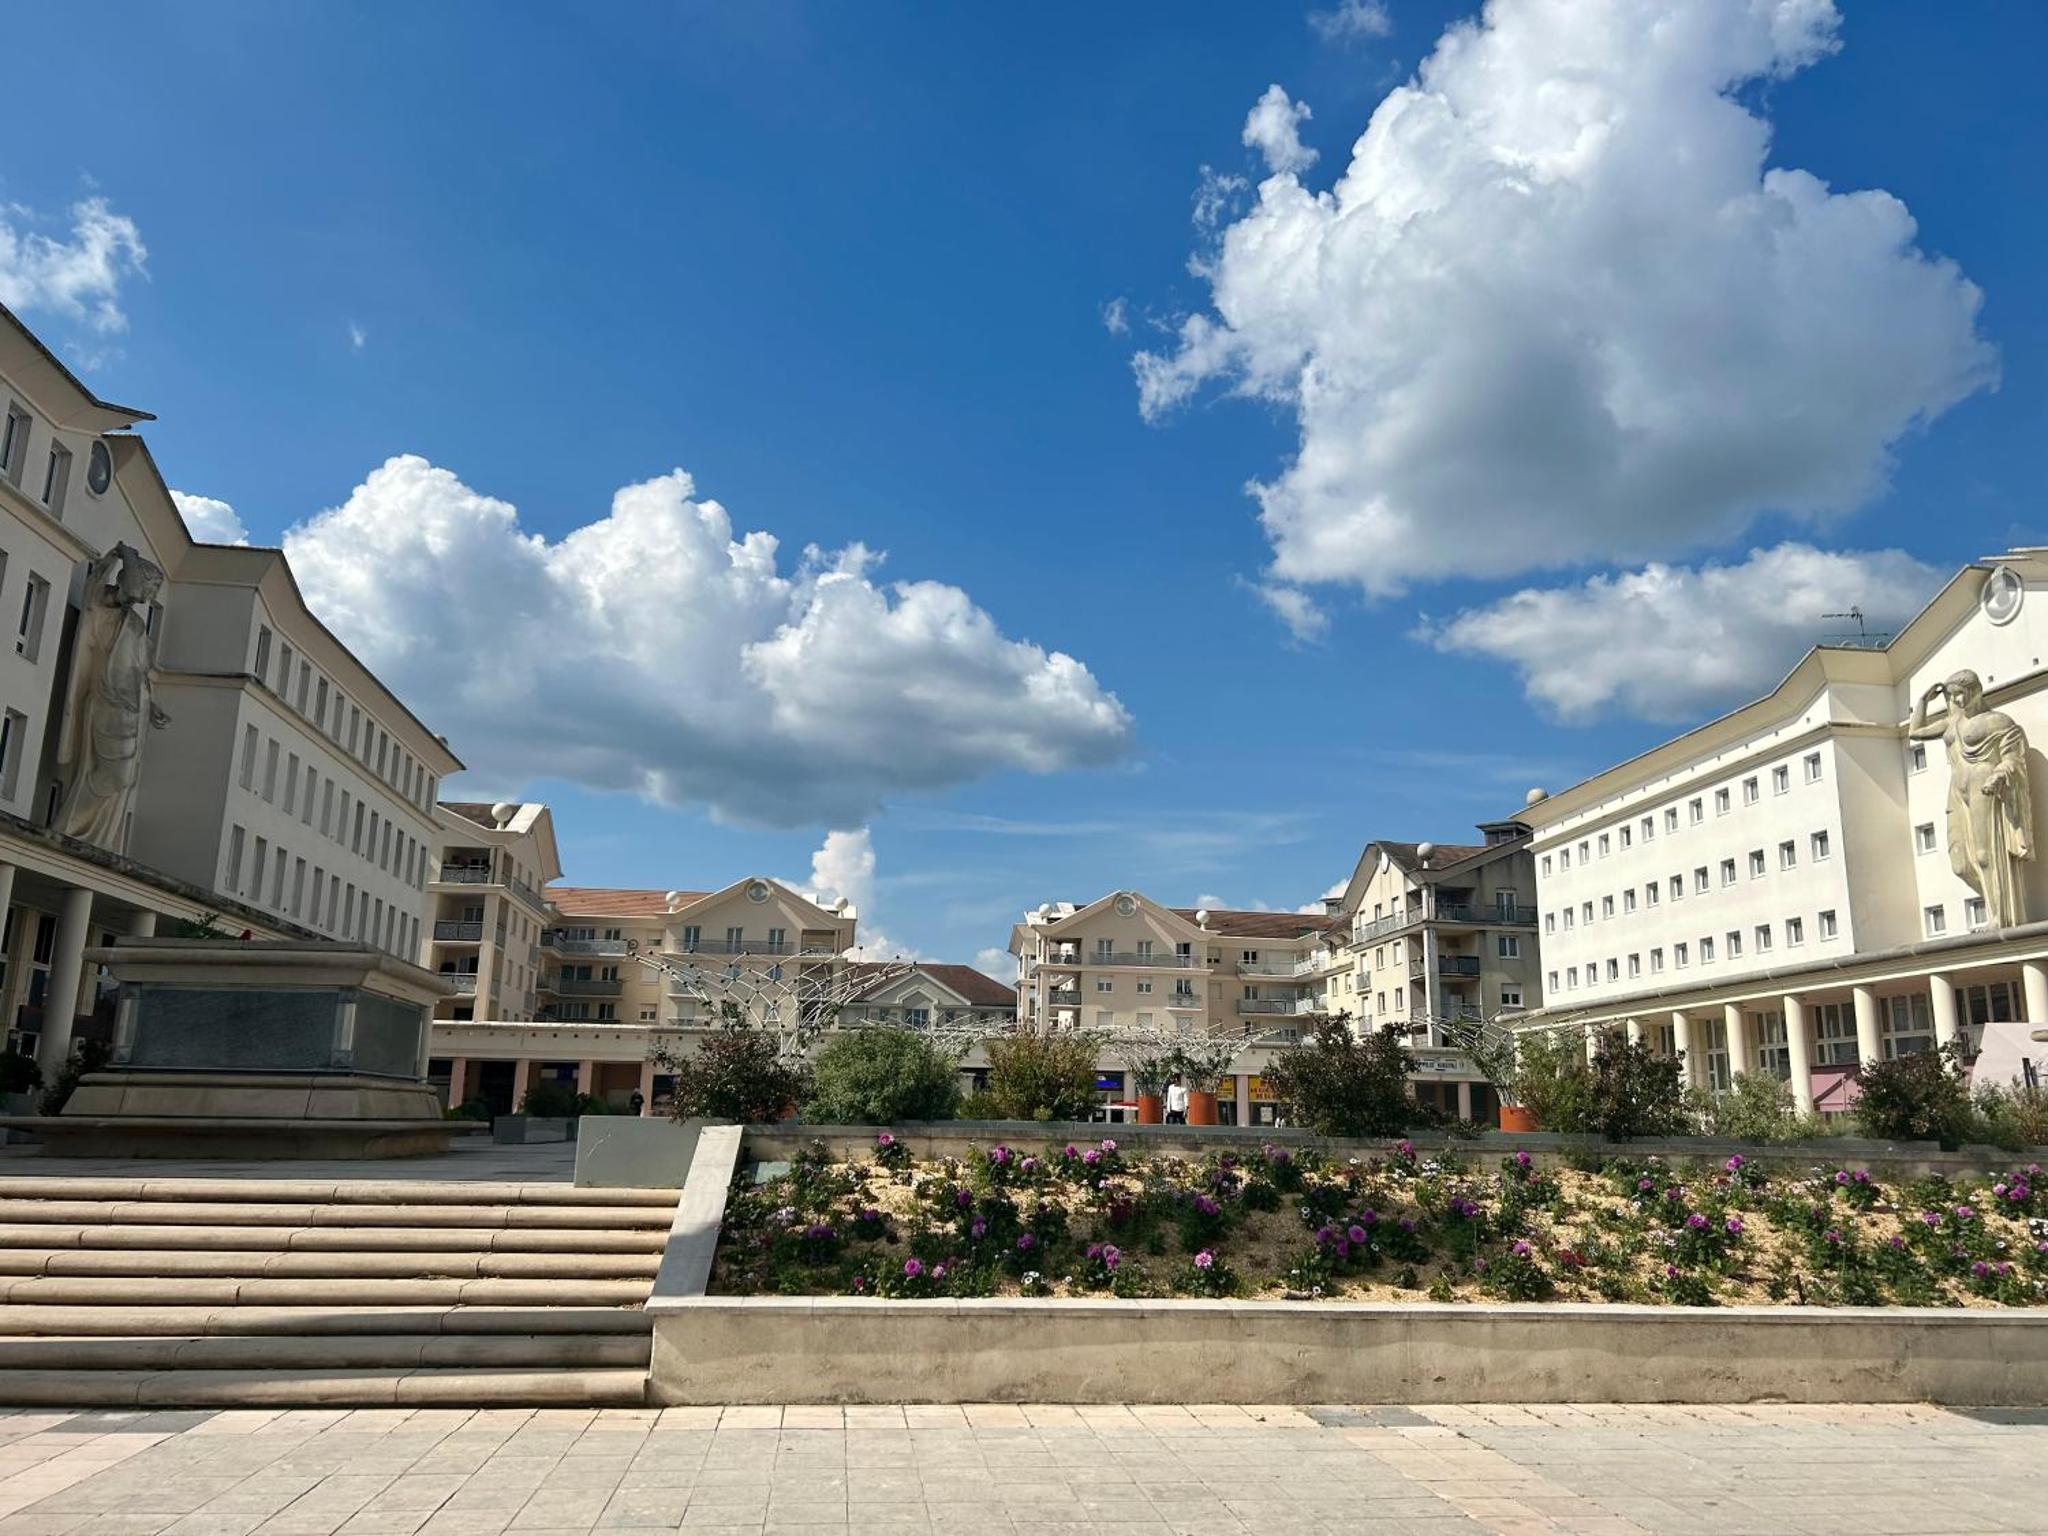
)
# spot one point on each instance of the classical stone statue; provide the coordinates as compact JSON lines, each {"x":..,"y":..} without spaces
{"x":1990,"y":804}
{"x":99,"y":753}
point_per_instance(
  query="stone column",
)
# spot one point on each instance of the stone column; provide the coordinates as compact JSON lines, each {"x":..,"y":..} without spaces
{"x":142,"y":926}
{"x":521,"y":1070}
{"x":1592,"y":1042}
{"x":584,"y":1069}
{"x":6,"y":959}
{"x":458,"y":1074}
{"x":1681,"y":1042}
{"x":1741,"y":1047}
{"x":1869,"y":1032}
{"x":6,"y":891}
{"x":67,"y":966}
{"x":1244,"y":1098}
{"x":1464,"y":1100}
{"x":1634,"y":1028}
{"x":646,"y":1088}
{"x":1942,"y":997}
{"x":1799,"y":1054}
{"x":484,"y":1005}
{"x":2034,"y":982}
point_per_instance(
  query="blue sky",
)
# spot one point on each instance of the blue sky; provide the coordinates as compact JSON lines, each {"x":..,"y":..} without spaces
{"x":849,"y":268}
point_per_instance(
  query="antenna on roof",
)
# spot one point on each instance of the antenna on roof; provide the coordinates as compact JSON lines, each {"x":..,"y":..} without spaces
{"x":1863,"y":638}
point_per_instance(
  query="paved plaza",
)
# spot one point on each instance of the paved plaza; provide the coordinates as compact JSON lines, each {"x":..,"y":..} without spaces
{"x":1052,"y":1471}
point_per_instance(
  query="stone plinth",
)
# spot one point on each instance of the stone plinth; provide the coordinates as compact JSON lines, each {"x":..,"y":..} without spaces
{"x":248,"y":1050}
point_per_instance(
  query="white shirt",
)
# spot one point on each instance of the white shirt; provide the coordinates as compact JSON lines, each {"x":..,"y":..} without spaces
{"x":1176,"y":1098}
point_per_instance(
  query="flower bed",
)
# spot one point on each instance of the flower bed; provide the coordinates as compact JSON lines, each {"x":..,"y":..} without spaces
{"x":1089,"y":1218}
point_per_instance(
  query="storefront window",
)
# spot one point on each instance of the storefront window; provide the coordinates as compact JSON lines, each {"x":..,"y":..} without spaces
{"x":1773,"y":1054}
{"x":1834,"y":1035}
{"x":1908,"y":1025}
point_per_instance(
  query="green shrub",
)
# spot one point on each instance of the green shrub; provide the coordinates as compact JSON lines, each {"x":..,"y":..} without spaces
{"x":1041,"y":1077}
{"x":2014,"y":1117}
{"x":736,"y":1073}
{"x":1550,"y":1080}
{"x":880,"y":1077}
{"x":1635,"y":1091}
{"x":1921,"y":1097}
{"x":1757,"y":1107}
{"x":1342,"y":1084}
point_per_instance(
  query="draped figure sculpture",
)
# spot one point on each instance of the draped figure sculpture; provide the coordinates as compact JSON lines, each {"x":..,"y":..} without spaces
{"x":1990,"y":799}
{"x":99,"y":754}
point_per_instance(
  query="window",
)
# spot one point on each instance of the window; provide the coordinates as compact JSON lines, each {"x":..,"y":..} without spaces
{"x":56,"y":477}
{"x":1607,"y":906}
{"x":284,"y":671}
{"x":1923,"y":837}
{"x":319,"y":704}
{"x":1727,"y":871}
{"x":1105,"y":984}
{"x":1697,"y":809}
{"x":1734,"y":945}
{"x":1916,"y":758}
{"x":1722,"y":802}
{"x":1627,"y":837}
{"x":13,"y":732}
{"x":256,"y":870}
{"x":1144,"y":986}
{"x":1546,"y":863}
{"x":1700,"y":882}
{"x":270,"y":771}
{"x":1511,"y":997}
{"x":262,"y":651}
{"x":1635,"y":965}
{"x":1671,"y":818}
{"x":1763,"y":938}
{"x":1649,"y":829}
{"x":1828,"y":929}
{"x":1750,"y":793}
{"x":1908,"y":1025}
{"x":1678,"y":887}
{"x":1586,"y":913}
{"x":1795,"y":932}
{"x":1564,"y":858}
{"x":312,"y":789}
{"x":1681,"y":955}
{"x":1974,"y":915}
{"x":1606,"y":846}
{"x":249,"y":757}
{"x":1935,"y":919}
{"x":1628,"y":901}
{"x":14,"y":443}
{"x":1781,"y":779}
{"x":1834,"y":1035}
{"x":1756,"y":863}
{"x":1788,"y":854}
{"x":35,"y":602}
{"x":233,"y":882}
{"x":1584,"y":851}
{"x":1553,"y":987}
{"x":1706,"y":951}
{"x":291,"y":782}
{"x":1571,"y":976}
{"x":1656,"y":961}
{"x":1507,"y":946}
{"x":305,"y":682}
{"x":1813,"y":767}
{"x":1817,"y":847}
{"x":1567,"y":919}
{"x":1650,"y":893}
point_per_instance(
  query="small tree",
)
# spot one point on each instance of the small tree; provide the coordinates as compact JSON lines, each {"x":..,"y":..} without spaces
{"x":1636,"y":1092}
{"x":1921,"y":1097}
{"x":1041,"y":1076}
{"x":1549,"y":1078}
{"x":737,"y":1072}
{"x":882,"y":1076}
{"x":1342,"y":1084}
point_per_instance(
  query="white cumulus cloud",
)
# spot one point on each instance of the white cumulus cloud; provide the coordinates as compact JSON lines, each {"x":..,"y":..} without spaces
{"x":209,"y":519}
{"x":1304,"y":617}
{"x":1352,"y":21}
{"x":844,"y":866}
{"x":1672,"y":642}
{"x":656,"y":651}
{"x":1557,"y":309}
{"x":76,"y":275}
{"x":1273,"y":128}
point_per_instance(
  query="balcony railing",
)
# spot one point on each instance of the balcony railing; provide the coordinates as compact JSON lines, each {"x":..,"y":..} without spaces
{"x":1310,"y":1005}
{"x":1446,"y":965}
{"x":1123,"y":957}
{"x":1265,"y":1005}
{"x":1184,"y":1000}
{"x":813,"y":945}
{"x":464,"y":874}
{"x":595,"y":986}
{"x":464,"y":982}
{"x":1497,"y":916}
{"x":554,"y":940}
{"x":1064,"y":997}
{"x":1283,"y":965}
{"x":459,"y":933}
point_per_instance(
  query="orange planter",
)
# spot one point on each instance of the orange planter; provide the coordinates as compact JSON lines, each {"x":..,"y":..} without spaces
{"x":1515,"y":1118}
{"x":1151,"y":1109}
{"x":1201,"y":1108}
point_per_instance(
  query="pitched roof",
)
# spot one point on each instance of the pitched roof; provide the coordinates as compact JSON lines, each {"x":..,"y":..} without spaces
{"x":611,"y":901}
{"x":1441,"y":856}
{"x":1258,"y":925}
{"x":979,"y":988}
{"x":472,"y":810}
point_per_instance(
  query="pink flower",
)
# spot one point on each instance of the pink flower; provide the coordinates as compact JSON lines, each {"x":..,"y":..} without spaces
{"x":912,"y":1268}
{"x":1205,"y":1259}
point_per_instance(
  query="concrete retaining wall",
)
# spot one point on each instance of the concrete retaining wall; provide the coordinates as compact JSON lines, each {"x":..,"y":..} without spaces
{"x":847,"y":1350}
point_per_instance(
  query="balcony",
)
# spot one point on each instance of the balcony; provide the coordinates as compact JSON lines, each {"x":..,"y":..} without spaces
{"x":1446,"y":965}
{"x":1450,"y":912}
{"x":554,"y":940}
{"x":595,"y":986}
{"x":1111,"y":957}
{"x":1310,"y":1005}
{"x":1265,"y":1005}
{"x":464,"y":982}
{"x":1064,"y":997}
{"x":1278,"y":965}
{"x":464,"y":874}
{"x":1184,"y":1000}
{"x":459,"y":933}
{"x":819,"y":946}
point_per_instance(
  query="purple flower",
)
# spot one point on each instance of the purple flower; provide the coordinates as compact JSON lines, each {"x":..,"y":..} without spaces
{"x":1896,"y":1241}
{"x":1644,"y":1186}
{"x":1407,"y":1223}
{"x":1029,"y":1165}
{"x":1980,"y":1269}
{"x":1521,"y":1249}
{"x":1026,"y":1242}
{"x":938,"y":1271}
{"x":979,"y":1230}
{"x":1072,"y":1151}
{"x":1734,"y":1164}
{"x":1670,"y":1271}
{"x":1094,"y":1251}
{"x":1111,"y":1257}
{"x":1841,"y":1176}
{"x":817,"y":1232}
{"x":1832,"y":1238}
{"x":1964,"y":1213}
{"x":1325,"y":1235}
{"x":1000,"y":1156}
{"x":1735,"y":1226}
{"x":885,"y":1140}
{"x":1356,"y":1233}
{"x":1108,"y":1145}
{"x":963,"y":1198}
{"x":1696,"y":1222}
{"x":1367,"y":1218}
{"x":1522,"y":1159}
{"x":1091,"y":1157}
{"x":912,"y":1268}
{"x":1343,"y":1249}
{"x":1205,"y":1259}
{"x":1932,"y":1218}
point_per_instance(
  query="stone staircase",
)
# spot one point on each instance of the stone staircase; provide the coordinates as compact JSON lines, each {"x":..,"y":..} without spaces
{"x":246,"y":1292}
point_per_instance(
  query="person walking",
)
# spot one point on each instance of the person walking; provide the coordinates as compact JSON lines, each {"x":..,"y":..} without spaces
{"x":1176,"y":1101}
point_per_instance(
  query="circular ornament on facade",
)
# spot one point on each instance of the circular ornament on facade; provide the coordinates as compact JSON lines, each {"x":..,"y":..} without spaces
{"x":2002,"y":595}
{"x":758,"y":891}
{"x":99,"y":469}
{"x":1126,"y":906}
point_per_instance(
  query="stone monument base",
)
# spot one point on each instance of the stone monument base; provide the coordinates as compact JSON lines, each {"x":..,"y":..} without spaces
{"x":245,"y":1115}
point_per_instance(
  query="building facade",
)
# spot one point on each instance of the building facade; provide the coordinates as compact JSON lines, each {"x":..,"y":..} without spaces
{"x":488,"y":915}
{"x":1840,"y":872}
{"x":177,"y":732}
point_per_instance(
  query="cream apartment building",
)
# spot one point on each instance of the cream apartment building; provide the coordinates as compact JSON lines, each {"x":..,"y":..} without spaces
{"x":484,"y":930}
{"x":111,"y":606}
{"x":1802,"y":885}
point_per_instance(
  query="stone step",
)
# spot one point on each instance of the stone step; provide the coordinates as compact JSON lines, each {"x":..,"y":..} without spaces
{"x":179,"y":1263}
{"x":350,"y":1239}
{"x":225,"y":1291}
{"x":63,"y":1212}
{"x":374,"y":1351}
{"x":146,"y":1321}
{"x":323,"y":1389}
{"x":328,"y":1192}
